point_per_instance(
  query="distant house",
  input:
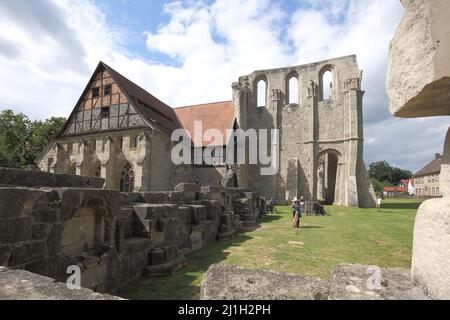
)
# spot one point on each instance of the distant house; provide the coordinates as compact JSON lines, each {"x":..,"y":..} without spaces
{"x":399,"y":190}
{"x":426,"y":180}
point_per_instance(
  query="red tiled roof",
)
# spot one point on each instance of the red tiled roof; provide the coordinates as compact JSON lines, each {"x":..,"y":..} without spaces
{"x":396,"y":189}
{"x":218,"y":115}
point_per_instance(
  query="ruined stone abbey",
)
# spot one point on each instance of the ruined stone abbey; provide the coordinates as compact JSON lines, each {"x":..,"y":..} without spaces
{"x":122,"y":133}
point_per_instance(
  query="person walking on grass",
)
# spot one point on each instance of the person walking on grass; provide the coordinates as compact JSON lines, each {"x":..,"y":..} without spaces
{"x":296,"y":211}
{"x":379,"y":204}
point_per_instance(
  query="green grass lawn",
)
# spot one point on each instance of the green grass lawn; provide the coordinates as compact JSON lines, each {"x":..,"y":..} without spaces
{"x":345,"y":235}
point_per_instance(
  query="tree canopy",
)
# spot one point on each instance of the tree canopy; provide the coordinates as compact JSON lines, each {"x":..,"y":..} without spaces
{"x":382,"y":174}
{"x":21,"y":140}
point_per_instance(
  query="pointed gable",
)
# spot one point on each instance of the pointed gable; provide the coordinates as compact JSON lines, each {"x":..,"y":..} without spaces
{"x":111,"y":102}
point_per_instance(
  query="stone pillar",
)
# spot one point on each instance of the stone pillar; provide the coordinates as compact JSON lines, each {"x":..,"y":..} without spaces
{"x":59,"y":163}
{"x":107,"y":161}
{"x":142,"y":168}
{"x":353,"y":98}
{"x":82,"y":163}
{"x":312,"y":143}
{"x":240,"y":99}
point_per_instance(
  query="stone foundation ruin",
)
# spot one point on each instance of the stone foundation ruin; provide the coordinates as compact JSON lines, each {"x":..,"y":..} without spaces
{"x":113,"y":237}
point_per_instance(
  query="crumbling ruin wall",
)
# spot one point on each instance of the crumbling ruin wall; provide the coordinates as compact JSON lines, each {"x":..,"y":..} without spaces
{"x":115,"y":237}
{"x":418,"y":85}
{"x":311,"y":126}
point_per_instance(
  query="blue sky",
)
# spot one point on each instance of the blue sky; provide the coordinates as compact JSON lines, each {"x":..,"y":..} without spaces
{"x":189,"y":52}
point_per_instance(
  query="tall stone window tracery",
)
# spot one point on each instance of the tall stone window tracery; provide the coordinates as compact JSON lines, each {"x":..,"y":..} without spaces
{"x":127,"y":179}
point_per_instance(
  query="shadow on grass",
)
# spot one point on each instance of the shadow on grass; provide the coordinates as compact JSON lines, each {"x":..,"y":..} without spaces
{"x":183,"y":284}
{"x":311,"y":227}
{"x":399,"y":205}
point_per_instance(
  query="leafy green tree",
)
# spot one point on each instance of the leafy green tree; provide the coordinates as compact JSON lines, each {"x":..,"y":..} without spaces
{"x":14,"y":138}
{"x":41,"y":133}
{"x":21,"y":140}
{"x":382,"y":171}
{"x":379,"y":186}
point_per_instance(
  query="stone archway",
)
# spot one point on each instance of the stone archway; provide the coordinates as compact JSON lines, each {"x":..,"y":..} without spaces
{"x":328,"y":176}
{"x":89,"y":231}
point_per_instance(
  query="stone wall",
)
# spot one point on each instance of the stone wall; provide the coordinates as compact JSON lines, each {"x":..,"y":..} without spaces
{"x":24,"y":285}
{"x":310,"y":128}
{"x":29,"y":178}
{"x":116,"y":237}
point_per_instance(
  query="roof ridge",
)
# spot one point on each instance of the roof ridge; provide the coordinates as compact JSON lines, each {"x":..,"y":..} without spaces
{"x":202,"y":104}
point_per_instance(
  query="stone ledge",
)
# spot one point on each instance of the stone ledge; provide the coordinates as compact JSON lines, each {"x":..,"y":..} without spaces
{"x":361,"y":282}
{"x":223,"y":282}
{"x":348,"y":282}
{"x":24,"y":285}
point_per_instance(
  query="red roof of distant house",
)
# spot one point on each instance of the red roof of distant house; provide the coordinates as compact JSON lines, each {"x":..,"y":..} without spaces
{"x":396,"y":189}
{"x":218,"y":115}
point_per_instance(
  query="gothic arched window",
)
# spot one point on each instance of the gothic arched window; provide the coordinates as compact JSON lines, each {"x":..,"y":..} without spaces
{"x":127,"y":179}
{"x":261,"y":94}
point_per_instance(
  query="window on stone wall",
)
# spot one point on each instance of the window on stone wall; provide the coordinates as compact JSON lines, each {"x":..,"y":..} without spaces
{"x":73,"y":169}
{"x":293,"y":90}
{"x":49,"y":164}
{"x":134,"y":142}
{"x":262,"y":94}
{"x":327,"y":85}
{"x":127,"y":179}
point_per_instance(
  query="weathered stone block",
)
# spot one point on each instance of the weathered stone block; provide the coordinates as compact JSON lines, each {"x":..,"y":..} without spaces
{"x":155,"y":197}
{"x":418,"y":81}
{"x":24,"y":285}
{"x":431,"y":248}
{"x":5,"y":255}
{"x":45,"y":267}
{"x":15,"y":202}
{"x":170,"y":253}
{"x":15,"y":230}
{"x":39,"y":231}
{"x":223,"y":282}
{"x":182,"y":187}
{"x":359,"y":282}
{"x":54,"y":239}
{"x":27,"y":252}
{"x":165,"y":269}
{"x":157,"y":256}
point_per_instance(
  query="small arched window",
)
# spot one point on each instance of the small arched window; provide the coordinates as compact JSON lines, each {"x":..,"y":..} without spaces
{"x":262,"y":94}
{"x":327,"y":85}
{"x":73,"y":169}
{"x":293,"y":90}
{"x":127,"y":179}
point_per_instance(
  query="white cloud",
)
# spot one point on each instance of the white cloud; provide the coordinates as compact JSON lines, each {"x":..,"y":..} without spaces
{"x":49,"y":48}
